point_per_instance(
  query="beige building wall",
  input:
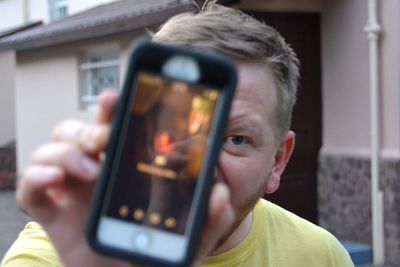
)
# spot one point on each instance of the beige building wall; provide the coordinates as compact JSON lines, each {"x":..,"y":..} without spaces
{"x":11,"y":14}
{"x":47,"y":91}
{"x":75,"y":6}
{"x":344,"y":182}
{"x":38,"y":10}
{"x":346,"y":91}
{"x":7,"y":99}
{"x":390,"y":78}
{"x":345,"y":86}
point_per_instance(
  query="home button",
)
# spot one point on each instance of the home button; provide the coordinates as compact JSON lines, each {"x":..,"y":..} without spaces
{"x":141,"y":240}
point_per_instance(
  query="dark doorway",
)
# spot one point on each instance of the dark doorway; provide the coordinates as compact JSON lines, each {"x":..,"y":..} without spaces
{"x":298,"y":190}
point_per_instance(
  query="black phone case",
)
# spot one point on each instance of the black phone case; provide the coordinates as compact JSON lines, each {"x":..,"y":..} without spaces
{"x":219,"y":71}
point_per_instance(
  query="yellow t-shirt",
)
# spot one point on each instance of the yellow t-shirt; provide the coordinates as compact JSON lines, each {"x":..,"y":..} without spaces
{"x":32,"y":248}
{"x":277,"y":238}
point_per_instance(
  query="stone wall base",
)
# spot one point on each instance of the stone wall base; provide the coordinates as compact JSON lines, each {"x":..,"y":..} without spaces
{"x":7,"y":166}
{"x":344,"y":200}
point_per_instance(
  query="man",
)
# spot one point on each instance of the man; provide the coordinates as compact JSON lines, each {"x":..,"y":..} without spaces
{"x":242,"y":229}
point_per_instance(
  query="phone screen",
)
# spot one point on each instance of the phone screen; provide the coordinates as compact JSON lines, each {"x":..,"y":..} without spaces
{"x":160,"y":153}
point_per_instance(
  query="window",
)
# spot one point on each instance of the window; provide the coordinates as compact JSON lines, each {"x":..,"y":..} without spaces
{"x":99,"y":70}
{"x":58,"y":9}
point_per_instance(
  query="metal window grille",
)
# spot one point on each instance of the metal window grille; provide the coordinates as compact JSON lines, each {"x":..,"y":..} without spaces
{"x":98,"y":75}
{"x":58,"y":9}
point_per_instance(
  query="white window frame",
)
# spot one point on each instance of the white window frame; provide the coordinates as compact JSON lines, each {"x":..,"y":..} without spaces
{"x":58,"y":9}
{"x":88,"y":97}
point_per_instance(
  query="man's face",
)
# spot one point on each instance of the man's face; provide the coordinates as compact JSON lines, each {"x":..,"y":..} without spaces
{"x":248,"y":155}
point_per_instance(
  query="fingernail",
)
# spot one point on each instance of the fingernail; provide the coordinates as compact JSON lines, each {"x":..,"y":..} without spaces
{"x":215,"y":172}
{"x":223,"y":190}
{"x":43,"y":173}
{"x":90,"y":167}
{"x":90,"y":142}
{"x":95,"y":138}
{"x":96,"y":133}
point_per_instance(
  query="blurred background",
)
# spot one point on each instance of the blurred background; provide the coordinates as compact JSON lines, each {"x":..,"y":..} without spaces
{"x":56,"y":56}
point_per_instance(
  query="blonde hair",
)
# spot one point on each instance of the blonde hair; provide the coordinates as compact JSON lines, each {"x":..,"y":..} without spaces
{"x":236,"y":34}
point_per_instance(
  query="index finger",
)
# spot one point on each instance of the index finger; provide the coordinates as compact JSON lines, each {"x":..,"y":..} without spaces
{"x":107,"y":102}
{"x":33,"y":187}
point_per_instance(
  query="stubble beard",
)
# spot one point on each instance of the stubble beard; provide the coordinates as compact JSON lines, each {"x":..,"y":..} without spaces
{"x":241,"y":212}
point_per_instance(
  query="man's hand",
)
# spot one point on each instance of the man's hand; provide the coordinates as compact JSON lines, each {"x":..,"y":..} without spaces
{"x":56,"y":190}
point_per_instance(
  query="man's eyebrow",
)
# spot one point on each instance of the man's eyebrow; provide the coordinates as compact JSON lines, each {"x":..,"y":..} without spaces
{"x":243,"y":127}
{"x":240,"y":125}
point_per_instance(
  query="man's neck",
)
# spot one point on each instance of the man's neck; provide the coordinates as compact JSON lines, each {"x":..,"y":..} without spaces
{"x":237,"y":236}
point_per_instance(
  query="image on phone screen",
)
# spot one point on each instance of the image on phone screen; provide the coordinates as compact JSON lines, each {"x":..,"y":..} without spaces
{"x":160,"y":153}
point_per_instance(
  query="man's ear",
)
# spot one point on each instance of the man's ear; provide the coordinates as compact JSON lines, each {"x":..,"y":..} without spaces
{"x":282,"y":157}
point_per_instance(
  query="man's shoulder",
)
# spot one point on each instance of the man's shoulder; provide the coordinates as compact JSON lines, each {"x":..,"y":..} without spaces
{"x":278,"y":218}
{"x":32,"y":248}
{"x":291,"y":233}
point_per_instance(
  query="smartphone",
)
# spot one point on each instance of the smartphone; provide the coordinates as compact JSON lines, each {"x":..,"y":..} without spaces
{"x":152,"y":196}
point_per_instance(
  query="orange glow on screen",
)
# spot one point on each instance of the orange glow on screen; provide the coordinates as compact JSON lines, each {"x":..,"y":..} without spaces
{"x":164,"y":143}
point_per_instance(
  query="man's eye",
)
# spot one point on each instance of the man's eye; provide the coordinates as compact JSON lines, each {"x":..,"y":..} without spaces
{"x":236,"y":140}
